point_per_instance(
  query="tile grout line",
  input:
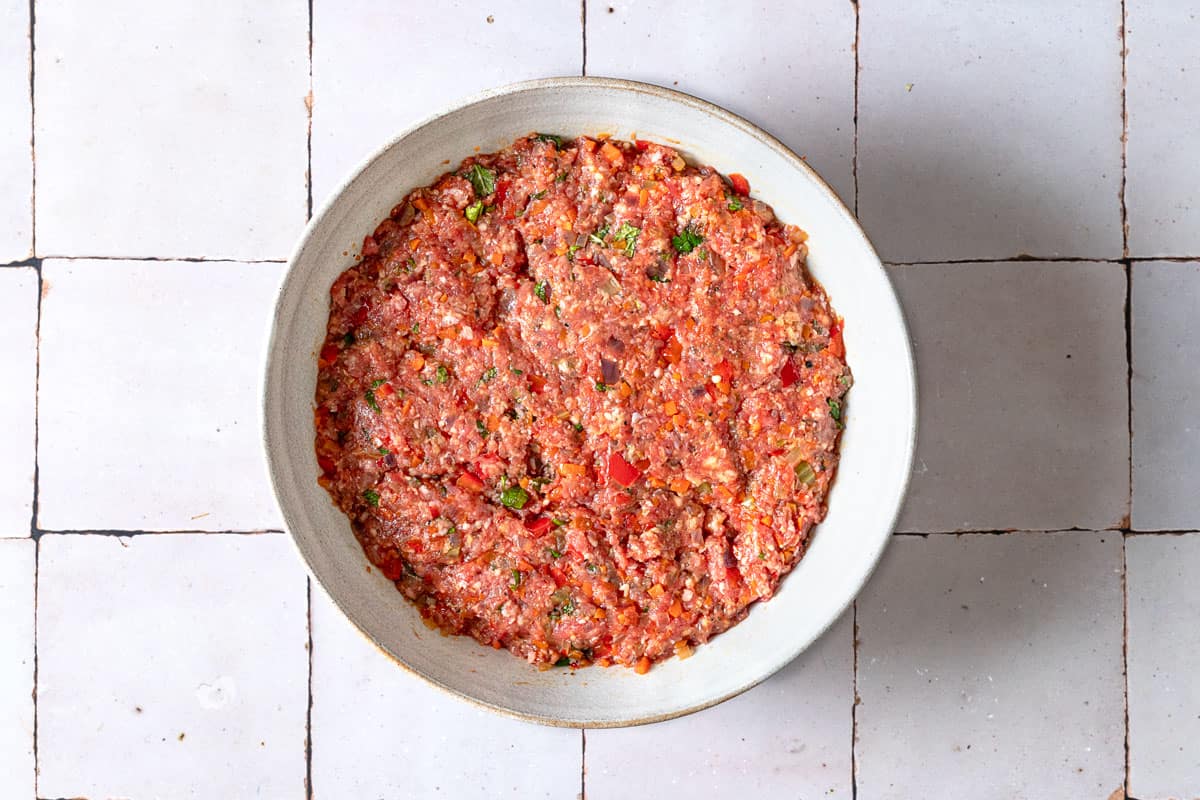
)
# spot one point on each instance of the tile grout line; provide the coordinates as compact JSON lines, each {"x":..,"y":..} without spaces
{"x":857,"y":69}
{"x":32,"y":136}
{"x":187,"y":259}
{"x":39,"y":532}
{"x":854,"y":705}
{"x":583,"y":764}
{"x":1125,"y":655}
{"x":34,"y":533}
{"x":308,"y":104}
{"x":583,"y":36}
{"x":1124,"y":135}
{"x":308,"y":787}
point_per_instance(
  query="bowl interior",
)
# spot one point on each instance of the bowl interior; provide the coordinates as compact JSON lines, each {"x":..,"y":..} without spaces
{"x":876,"y":448}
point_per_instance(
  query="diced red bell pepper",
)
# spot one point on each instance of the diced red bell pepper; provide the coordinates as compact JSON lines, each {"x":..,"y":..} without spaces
{"x":641,"y":144}
{"x":537,"y":383}
{"x":538,"y":525}
{"x":469,"y":481}
{"x":739,"y":183}
{"x":502,"y":191}
{"x":329,"y":353}
{"x":837,"y":345}
{"x":360,"y":316}
{"x":326,"y":464}
{"x":621,"y":471}
{"x":392,"y":568}
{"x":560,"y":577}
{"x":385,"y":390}
{"x":725,"y":370}
{"x":788,"y":374}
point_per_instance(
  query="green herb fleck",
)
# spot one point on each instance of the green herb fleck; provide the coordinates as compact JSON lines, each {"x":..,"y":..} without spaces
{"x":563,"y":662}
{"x":489,"y":375}
{"x":540,"y":288}
{"x":558,"y":523}
{"x":443,"y":374}
{"x":628,"y":234}
{"x":599,"y":235}
{"x":348,"y":339}
{"x":550,"y":551}
{"x":657,"y":277}
{"x":416,"y":328}
{"x":410,"y":264}
{"x":516,"y":579}
{"x":372,"y":497}
{"x":516,"y":371}
{"x":762,"y":556}
{"x":473,"y":211}
{"x":844,"y":380}
{"x":578,"y":427}
{"x":557,"y":141}
{"x":375,"y":384}
{"x":734,"y":203}
{"x":371,"y":401}
{"x":602,"y":387}
{"x":686,"y":241}
{"x":514,"y":497}
{"x":482,"y":179}
{"x":561,"y":178}
{"x":590,"y":567}
{"x":538,"y":195}
{"x":835,"y":409}
{"x":383,"y":451}
{"x":483,"y":431}
{"x":571,"y":250}
{"x":805,"y":474}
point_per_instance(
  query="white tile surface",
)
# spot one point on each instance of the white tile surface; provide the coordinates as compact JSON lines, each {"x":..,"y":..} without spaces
{"x":990,"y":668}
{"x":18,"y":358}
{"x":793,"y":76}
{"x":1164,"y":648}
{"x":368,"y":89}
{"x":171,"y":666}
{"x":1023,"y":401}
{"x":16,"y":669}
{"x":16,"y":152}
{"x":149,"y":395}
{"x":788,"y":737}
{"x":988,"y":130}
{"x":1166,"y":395}
{"x":187,"y":139}
{"x":379,"y":732}
{"x":1163,"y":101}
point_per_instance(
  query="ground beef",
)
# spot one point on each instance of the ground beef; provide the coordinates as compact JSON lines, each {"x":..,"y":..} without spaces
{"x":581,"y":400}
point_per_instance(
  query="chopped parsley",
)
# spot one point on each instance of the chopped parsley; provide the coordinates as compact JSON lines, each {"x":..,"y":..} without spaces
{"x":514,"y":497}
{"x":561,"y":178}
{"x":372,"y":497}
{"x":557,"y":141}
{"x":489,"y":375}
{"x":482,"y":179}
{"x":348,"y":339}
{"x":563,"y":662}
{"x":370,"y":395}
{"x":734,"y":203}
{"x":835,"y":411}
{"x":473,"y":211}
{"x":628,"y":235}
{"x":538,"y":195}
{"x":383,"y":451}
{"x":516,"y":371}
{"x":599,"y":236}
{"x":550,"y":551}
{"x":558,"y":523}
{"x":416,"y":328}
{"x":540,"y":288}
{"x":686,"y":241}
{"x":571,"y":250}
{"x":479,"y":426}
{"x":844,"y":380}
{"x":577,"y":426}
{"x":657,"y":277}
{"x":516,"y":579}
{"x":601,"y":386}
{"x":443,"y":374}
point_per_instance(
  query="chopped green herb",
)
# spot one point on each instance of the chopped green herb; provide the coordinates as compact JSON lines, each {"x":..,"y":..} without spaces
{"x":416,"y":328}
{"x":686,"y":241}
{"x":561,"y":178}
{"x":383,"y":451}
{"x":628,"y":234}
{"x":540,"y":289}
{"x":553,"y":553}
{"x":657,"y":277}
{"x":578,"y":428}
{"x":375,"y":384}
{"x":371,"y":401}
{"x":538,"y":195}
{"x":563,"y":662}
{"x":479,"y":426}
{"x":590,"y":567}
{"x":734,"y":203}
{"x":602,"y":386}
{"x":427,"y":382}
{"x":443,"y":374}
{"x":844,"y":380}
{"x":704,"y":488}
{"x":473,"y":211}
{"x":372,"y":497}
{"x":762,"y":556}
{"x":791,"y":348}
{"x":571,"y":250}
{"x":516,"y":579}
{"x":805,"y":474}
{"x":348,"y":339}
{"x":514,"y":497}
{"x":489,"y":375}
{"x":408,"y":265}
{"x":557,"y":141}
{"x":558,"y":523}
{"x":599,"y":236}
{"x":516,"y":371}
{"x":835,"y":409}
{"x":482,"y":179}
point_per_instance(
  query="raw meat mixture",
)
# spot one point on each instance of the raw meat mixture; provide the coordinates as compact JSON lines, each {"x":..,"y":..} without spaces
{"x":581,"y":400}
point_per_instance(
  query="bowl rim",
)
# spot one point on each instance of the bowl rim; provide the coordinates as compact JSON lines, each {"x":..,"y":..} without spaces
{"x":747,"y":128}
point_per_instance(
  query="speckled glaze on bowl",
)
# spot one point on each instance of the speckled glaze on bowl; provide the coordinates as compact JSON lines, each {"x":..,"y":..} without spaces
{"x":876,"y":448}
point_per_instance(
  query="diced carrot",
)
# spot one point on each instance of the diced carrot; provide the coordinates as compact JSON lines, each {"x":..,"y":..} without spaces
{"x":672,"y":351}
{"x":489,"y":343}
{"x":642,"y":666}
{"x":420,"y":203}
{"x":656,"y":590}
{"x":539,"y":206}
{"x":413,"y":244}
{"x":670,"y":409}
{"x":613,"y":154}
{"x":569,"y":470}
{"x":624,"y":389}
{"x":417,"y":362}
{"x":497,"y":258}
{"x":643,"y":197}
{"x":448,"y":332}
{"x":676,"y":608}
{"x":470,"y":482}
{"x":683,"y":650}
{"x":492,"y":423}
{"x":680,"y":485}
{"x":656,"y":483}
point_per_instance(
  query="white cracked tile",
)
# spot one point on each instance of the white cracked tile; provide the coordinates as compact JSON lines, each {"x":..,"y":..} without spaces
{"x":149,"y":395}
{"x":18,"y":359}
{"x":1166,"y":395}
{"x":786,"y":66}
{"x":366,"y":90}
{"x":1163,"y":101}
{"x":990,"y":130}
{"x":1163,"y":650}
{"x":1021,"y":375}
{"x":368,"y":711}
{"x":171,"y":666}
{"x":17,"y":570}
{"x":789,"y":737}
{"x":989,"y":667}
{"x":188,"y":139}
{"x":16,"y":151}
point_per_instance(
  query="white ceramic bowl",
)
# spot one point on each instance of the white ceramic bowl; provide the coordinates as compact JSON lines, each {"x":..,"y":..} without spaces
{"x":876,"y":448}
